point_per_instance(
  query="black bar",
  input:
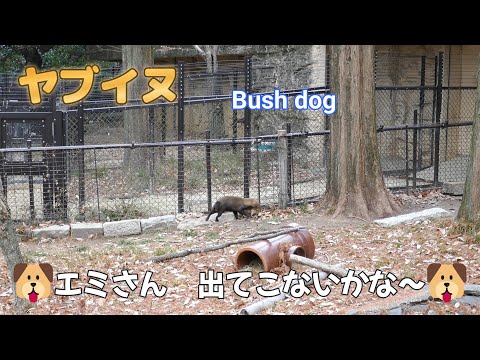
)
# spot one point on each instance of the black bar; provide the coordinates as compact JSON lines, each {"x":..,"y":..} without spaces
{"x":208,"y":157}
{"x":289,"y":161}
{"x":406,"y":88}
{"x":247,"y":130}
{"x":235,"y":118}
{"x":415,"y":144}
{"x":180,"y":136}
{"x":96,"y":182}
{"x":406,"y":160}
{"x":30,"y":182}
{"x":437,"y":119}
{"x":81,"y":163}
{"x":422,"y":105}
{"x":434,"y":104}
{"x":151,"y":139}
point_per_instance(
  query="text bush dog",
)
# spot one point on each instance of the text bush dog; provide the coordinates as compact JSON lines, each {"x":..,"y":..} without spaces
{"x":279,"y":101}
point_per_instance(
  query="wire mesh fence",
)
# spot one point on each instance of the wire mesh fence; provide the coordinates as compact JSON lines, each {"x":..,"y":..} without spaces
{"x":145,"y":160}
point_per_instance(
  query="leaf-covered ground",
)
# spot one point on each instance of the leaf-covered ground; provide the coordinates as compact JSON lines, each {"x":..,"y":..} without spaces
{"x":405,"y":251}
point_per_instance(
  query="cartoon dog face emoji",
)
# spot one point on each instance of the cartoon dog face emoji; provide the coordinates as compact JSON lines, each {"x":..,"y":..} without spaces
{"x":33,"y":281}
{"x":447,"y":281}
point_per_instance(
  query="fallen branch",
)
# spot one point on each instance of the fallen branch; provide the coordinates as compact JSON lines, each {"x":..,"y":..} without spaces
{"x":224,"y":245}
{"x":258,"y":306}
{"x":336,"y":270}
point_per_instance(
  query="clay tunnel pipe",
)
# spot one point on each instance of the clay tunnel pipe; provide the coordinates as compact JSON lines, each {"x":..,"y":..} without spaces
{"x":269,"y":251}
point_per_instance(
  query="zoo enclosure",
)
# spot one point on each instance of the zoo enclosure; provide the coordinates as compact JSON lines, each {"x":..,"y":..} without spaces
{"x":174,"y":159}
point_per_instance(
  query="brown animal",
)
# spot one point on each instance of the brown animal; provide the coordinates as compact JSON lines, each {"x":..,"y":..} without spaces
{"x":447,"y":281}
{"x":234,"y":204}
{"x":33,"y":281}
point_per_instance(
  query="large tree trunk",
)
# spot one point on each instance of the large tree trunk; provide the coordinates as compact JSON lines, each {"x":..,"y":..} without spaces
{"x":470,"y":209}
{"x":355,"y":185}
{"x":10,"y":249}
{"x":136,"y":121}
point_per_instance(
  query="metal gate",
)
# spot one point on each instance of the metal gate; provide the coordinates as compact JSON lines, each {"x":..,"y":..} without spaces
{"x":36,"y":172}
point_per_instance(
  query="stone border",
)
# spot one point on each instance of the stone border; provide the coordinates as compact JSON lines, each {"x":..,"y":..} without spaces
{"x":107,"y":229}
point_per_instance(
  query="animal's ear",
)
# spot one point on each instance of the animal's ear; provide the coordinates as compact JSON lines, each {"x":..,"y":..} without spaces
{"x":432,"y":270}
{"x":461,"y":270}
{"x":47,"y":270}
{"x":18,"y":271}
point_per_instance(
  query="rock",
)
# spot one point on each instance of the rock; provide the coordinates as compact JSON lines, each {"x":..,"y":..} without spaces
{"x":421,"y":308}
{"x":396,"y":311}
{"x":453,"y":188}
{"x":190,"y":223}
{"x":122,"y":228}
{"x":84,"y":230}
{"x":55,"y":231}
{"x":427,"y":214}
{"x":431,"y":312}
{"x":469,"y":300}
{"x":156,"y":222}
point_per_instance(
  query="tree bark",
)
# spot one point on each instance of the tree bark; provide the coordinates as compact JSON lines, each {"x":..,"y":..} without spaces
{"x":10,"y":249}
{"x":355,"y":185}
{"x":136,"y":121}
{"x":470,"y":208}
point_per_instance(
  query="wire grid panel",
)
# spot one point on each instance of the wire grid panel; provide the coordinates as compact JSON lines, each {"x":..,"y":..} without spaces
{"x":227,"y":171}
{"x":393,"y":157}
{"x":458,"y":105}
{"x":215,"y":116}
{"x":264,"y":172}
{"x":268,"y":122}
{"x":396,"y":107}
{"x":202,"y":80}
{"x":308,"y":167}
{"x":195,"y":179}
{"x":125,"y":183}
{"x":104,"y":127}
{"x":454,"y":153}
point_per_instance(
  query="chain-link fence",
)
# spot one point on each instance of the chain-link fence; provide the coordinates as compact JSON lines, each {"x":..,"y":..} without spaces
{"x":144,"y":160}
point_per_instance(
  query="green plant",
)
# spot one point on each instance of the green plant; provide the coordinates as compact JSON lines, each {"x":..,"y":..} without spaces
{"x":82,"y":249}
{"x":122,"y":211}
{"x":165,"y":249}
{"x":125,"y":242}
{"x":189,"y":232}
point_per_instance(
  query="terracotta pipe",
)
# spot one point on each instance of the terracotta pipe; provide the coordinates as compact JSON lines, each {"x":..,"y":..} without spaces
{"x":273,"y":252}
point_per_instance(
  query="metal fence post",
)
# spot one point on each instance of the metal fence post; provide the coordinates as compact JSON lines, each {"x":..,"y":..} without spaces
{"x":151,"y":138}
{"x":422,"y":105}
{"x":208,"y":157}
{"x":30,"y":181}
{"x":437,"y":119}
{"x":406,"y":159}
{"x":282,"y":169}
{"x":235,"y":117}
{"x":326,"y":138}
{"x":247,"y":130}
{"x":81,"y":163}
{"x":415,"y":144}
{"x":290,"y":161}
{"x":180,"y":136}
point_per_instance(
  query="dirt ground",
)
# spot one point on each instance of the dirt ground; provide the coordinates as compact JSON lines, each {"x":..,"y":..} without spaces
{"x":404,"y":250}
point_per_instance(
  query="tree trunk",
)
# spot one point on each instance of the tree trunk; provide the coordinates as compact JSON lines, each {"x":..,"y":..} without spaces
{"x":470,"y":209}
{"x":136,"y":121}
{"x":215,"y":109}
{"x":355,"y":186}
{"x":10,"y":248}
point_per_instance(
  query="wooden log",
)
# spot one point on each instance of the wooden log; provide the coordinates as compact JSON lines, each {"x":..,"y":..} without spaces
{"x":258,"y":306}
{"x":330,"y":269}
{"x":224,"y":245}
